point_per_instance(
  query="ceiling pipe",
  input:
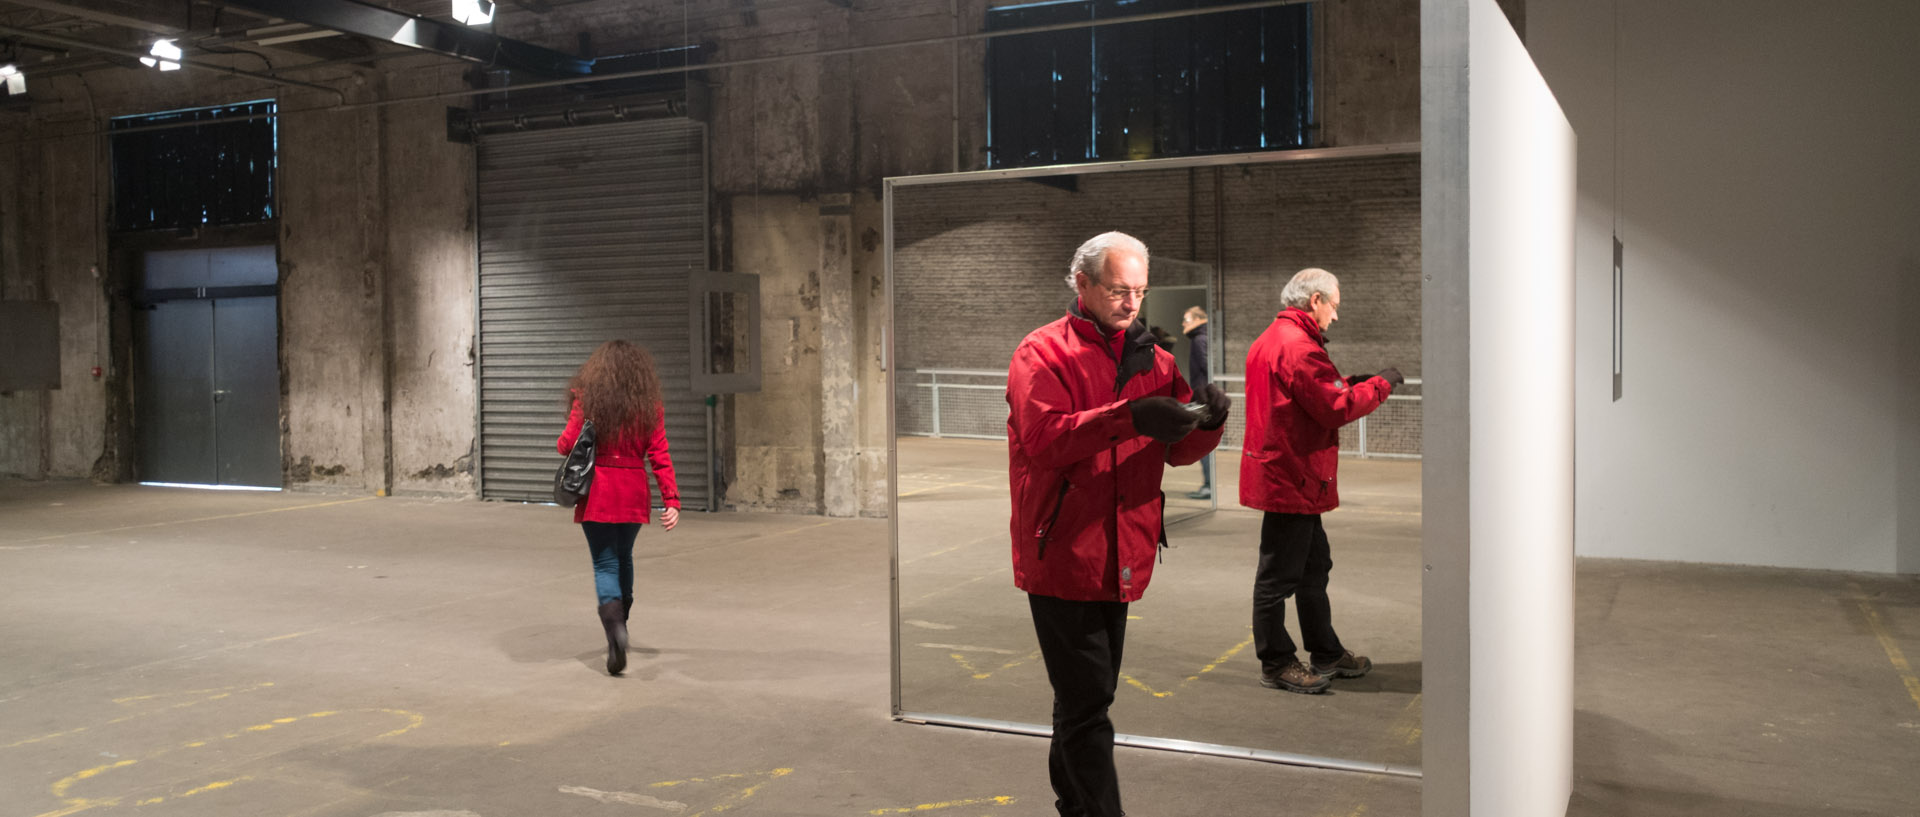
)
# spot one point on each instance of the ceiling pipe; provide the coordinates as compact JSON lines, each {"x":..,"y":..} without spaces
{"x":837,"y":52}
{"x":426,"y":34}
{"x":194,"y":63}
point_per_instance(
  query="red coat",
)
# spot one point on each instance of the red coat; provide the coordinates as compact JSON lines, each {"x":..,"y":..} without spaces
{"x":1087,"y":506}
{"x":1296,"y":403}
{"x":619,"y":492}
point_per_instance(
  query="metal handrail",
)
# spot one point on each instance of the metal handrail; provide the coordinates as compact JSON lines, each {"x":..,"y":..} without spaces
{"x":934,"y":386}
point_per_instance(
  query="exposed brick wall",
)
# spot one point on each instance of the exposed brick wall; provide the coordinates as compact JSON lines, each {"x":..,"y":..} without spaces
{"x":978,"y":265}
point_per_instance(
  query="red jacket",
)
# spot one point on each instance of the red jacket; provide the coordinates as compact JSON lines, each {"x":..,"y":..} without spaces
{"x":619,"y":492}
{"x":1296,"y":403}
{"x":1087,"y":506}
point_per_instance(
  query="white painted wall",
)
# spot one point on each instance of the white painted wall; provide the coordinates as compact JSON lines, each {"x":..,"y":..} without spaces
{"x":1521,"y":248}
{"x":1763,"y":161}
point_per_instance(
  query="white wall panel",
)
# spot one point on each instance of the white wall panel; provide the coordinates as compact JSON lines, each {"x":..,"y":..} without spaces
{"x":1758,"y":163}
{"x":1498,"y":165}
{"x":1521,"y":189}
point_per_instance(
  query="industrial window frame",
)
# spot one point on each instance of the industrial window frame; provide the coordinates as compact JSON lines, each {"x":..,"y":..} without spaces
{"x":170,"y":175}
{"x":1232,"y":82}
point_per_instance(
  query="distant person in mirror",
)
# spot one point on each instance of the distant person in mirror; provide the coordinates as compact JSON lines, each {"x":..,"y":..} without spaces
{"x":1097,"y":412}
{"x":1296,"y":403}
{"x":619,"y":390}
{"x":1194,"y":324}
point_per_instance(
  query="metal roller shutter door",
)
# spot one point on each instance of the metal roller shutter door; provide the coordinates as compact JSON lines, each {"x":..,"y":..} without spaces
{"x":586,"y":234}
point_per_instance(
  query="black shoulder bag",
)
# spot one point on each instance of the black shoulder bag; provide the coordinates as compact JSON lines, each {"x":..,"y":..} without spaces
{"x":570,"y":483}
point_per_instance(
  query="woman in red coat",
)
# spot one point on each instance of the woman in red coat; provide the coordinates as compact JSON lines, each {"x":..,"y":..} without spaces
{"x":618,"y":389}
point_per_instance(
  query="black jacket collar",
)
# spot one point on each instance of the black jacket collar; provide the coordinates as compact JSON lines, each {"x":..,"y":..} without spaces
{"x":1136,"y":351}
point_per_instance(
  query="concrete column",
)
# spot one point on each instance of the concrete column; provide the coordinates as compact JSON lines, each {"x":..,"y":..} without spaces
{"x":839,"y":404}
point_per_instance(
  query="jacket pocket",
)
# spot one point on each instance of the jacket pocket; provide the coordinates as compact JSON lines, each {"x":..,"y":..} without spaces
{"x":1059,"y":504}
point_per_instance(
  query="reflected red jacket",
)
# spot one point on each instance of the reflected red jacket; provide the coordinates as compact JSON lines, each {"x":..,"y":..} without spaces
{"x":1087,"y":506}
{"x":1296,"y":403}
{"x":619,"y":492}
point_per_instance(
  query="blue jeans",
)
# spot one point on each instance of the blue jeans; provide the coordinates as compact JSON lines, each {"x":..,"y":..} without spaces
{"x":611,"y":544}
{"x":1206,"y":470}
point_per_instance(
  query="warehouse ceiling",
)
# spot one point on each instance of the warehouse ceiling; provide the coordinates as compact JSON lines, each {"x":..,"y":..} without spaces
{"x":51,"y":38}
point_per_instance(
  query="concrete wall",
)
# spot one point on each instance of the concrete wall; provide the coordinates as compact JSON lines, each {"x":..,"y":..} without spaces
{"x":376,"y":234}
{"x":1759,"y":162}
{"x":376,"y":310}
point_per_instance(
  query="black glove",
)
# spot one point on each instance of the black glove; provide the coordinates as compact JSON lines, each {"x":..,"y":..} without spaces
{"x":1357,"y":379}
{"x":1217,"y":406}
{"x":1392,"y":376}
{"x":1162,"y":418}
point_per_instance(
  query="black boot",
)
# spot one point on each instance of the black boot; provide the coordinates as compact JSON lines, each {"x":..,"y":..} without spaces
{"x":613,"y":619}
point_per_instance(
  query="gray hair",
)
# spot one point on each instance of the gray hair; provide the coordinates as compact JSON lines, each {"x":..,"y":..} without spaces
{"x":1305,"y":283}
{"x":1091,"y":258}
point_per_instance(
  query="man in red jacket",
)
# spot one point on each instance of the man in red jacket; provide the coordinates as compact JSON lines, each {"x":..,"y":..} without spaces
{"x":1096,"y":414}
{"x":1296,"y":404}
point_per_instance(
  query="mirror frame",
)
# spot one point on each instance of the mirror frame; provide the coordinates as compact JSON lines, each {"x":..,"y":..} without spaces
{"x":893,"y":455}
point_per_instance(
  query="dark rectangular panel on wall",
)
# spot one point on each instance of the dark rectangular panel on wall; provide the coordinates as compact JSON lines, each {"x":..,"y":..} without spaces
{"x":30,"y":332}
{"x":586,"y":234}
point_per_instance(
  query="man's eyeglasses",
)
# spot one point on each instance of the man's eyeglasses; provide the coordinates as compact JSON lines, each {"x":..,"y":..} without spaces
{"x":1118,"y":295}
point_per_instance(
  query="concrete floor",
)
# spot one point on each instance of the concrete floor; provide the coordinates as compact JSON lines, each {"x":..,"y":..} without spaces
{"x":1190,"y":671}
{"x":174,"y":652}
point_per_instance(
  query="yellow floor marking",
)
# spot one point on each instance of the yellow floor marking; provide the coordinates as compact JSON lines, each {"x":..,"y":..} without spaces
{"x":733,"y":799}
{"x":191,"y":521}
{"x":73,"y":805}
{"x":222,"y":693}
{"x":1892,"y":649}
{"x":665,"y":784}
{"x":980,"y":675}
{"x":1003,"y":800}
{"x":1135,"y":683}
{"x":747,"y":793}
{"x":77,"y":806}
{"x":217,"y":693}
{"x":213,"y":786}
{"x":1224,"y":657}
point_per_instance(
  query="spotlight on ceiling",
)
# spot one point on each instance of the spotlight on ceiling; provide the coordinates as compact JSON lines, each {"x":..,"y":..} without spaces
{"x":15,"y":81}
{"x":473,"y":12}
{"x":164,"y":55}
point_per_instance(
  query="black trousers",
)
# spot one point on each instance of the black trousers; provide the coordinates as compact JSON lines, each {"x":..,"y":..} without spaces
{"x":1294,"y":561}
{"x":1081,"y":643}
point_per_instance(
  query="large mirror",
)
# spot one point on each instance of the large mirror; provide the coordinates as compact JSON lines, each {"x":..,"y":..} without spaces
{"x":976,"y":262}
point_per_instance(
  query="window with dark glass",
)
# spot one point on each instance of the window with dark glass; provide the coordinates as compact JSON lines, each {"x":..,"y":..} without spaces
{"x":1212,"y":83}
{"x":192,"y":168}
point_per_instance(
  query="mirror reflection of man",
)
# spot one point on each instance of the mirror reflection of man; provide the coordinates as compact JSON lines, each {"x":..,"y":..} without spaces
{"x":1194,"y":324}
{"x":1096,"y":413}
{"x":1296,"y":404}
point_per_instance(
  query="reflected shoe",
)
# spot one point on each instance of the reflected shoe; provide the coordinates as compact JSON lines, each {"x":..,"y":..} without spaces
{"x":1295,"y":677}
{"x":1203,"y":493}
{"x":1349,"y":666}
{"x":613,"y":619}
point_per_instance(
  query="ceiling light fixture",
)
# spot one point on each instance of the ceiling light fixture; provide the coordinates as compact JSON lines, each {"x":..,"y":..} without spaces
{"x":15,"y":81}
{"x":473,"y":12}
{"x":165,"y":56}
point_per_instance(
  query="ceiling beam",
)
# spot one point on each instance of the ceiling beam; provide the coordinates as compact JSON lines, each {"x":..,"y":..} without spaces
{"x":426,"y":34}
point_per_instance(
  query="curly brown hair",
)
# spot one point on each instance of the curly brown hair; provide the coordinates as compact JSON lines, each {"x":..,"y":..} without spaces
{"x":618,"y":390}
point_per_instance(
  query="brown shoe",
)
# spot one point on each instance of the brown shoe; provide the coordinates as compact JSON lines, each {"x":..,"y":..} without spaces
{"x":1348,"y":666}
{"x":1295,"y":677}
